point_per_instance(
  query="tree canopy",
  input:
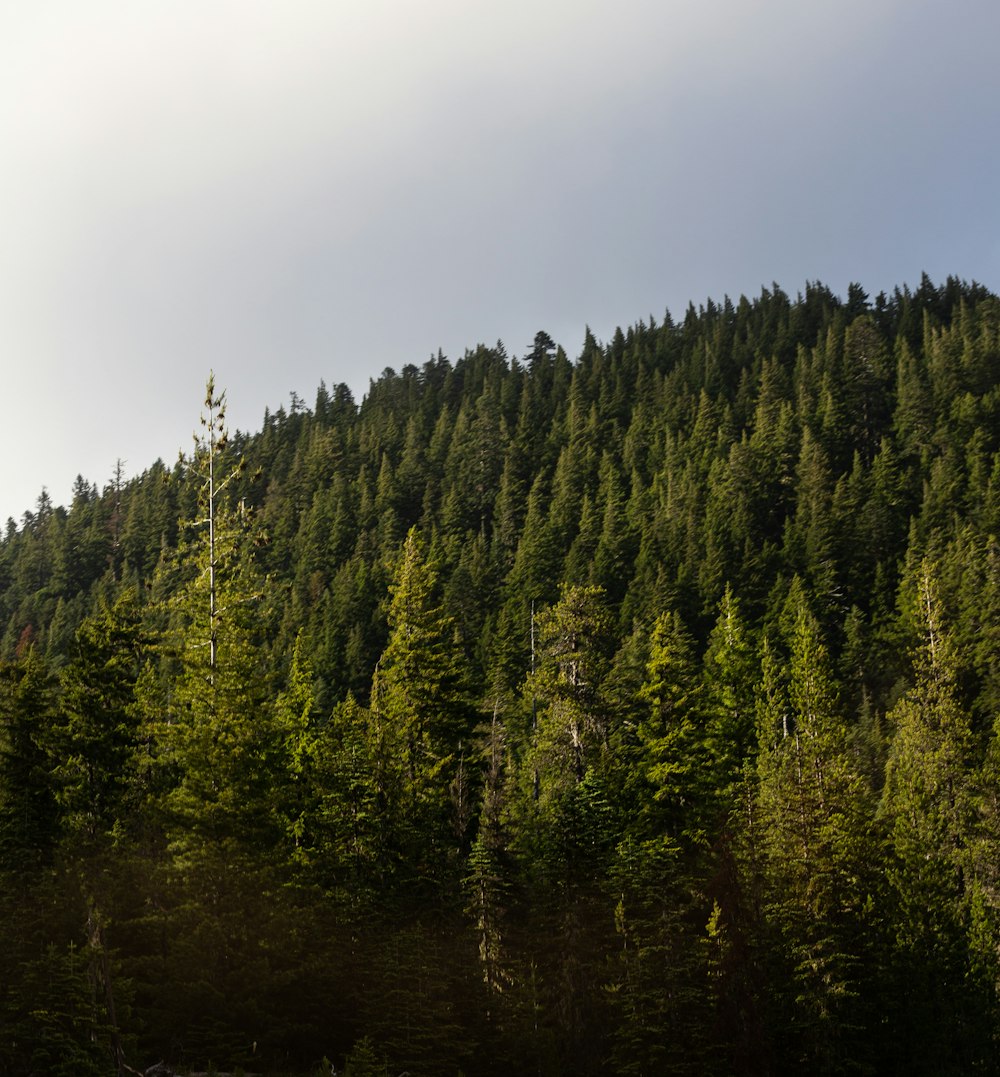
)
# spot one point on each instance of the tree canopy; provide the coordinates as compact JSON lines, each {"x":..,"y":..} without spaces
{"x":635,"y":713}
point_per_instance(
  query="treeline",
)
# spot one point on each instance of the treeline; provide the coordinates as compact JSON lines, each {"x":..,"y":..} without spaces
{"x":631,"y":714}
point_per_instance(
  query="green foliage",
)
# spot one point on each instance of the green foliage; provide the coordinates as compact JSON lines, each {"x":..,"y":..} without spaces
{"x":674,"y":737}
{"x":717,"y":822}
{"x":363,"y":1061}
{"x":928,"y":807}
{"x":569,"y":726}
{"x":50,"y":1024}
{"x":814,"y":822}
{"x":216,"y":730}
{"x":29,"y":820}
{"x":99,"y":732}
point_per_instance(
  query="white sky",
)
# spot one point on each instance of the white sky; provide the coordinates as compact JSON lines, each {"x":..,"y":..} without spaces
{"x":305,"y":189}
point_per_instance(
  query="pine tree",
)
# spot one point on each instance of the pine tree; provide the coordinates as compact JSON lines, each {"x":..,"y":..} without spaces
{"x":99,"y":775}
{"x":29,"y":818}
{"x":927,"y":806}
{"x":731,"y":676}
{"x":570,"y":723}
{"x":419,"y":712}
{"x":295,"y":729}
{"x":815,"y":844}
{"x":488,"y":882}
{"x":49,"y":1022}
{"x":216,"y":730}
{"x":674,"y":737}
{"x":99,"y":729}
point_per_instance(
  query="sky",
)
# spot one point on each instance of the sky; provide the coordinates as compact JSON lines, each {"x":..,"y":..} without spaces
{"x":305,"y":190}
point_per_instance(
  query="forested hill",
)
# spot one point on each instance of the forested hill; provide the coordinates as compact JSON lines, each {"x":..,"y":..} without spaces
{"x":631,"y":713}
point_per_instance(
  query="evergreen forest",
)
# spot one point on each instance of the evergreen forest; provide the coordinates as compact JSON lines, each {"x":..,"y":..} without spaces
{"x":627,"y":713}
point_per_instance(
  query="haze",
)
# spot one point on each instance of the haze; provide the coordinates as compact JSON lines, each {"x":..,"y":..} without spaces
{"x":314,"y":190}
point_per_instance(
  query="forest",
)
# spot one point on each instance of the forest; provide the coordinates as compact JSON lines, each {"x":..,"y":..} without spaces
{"x":632,"y":713}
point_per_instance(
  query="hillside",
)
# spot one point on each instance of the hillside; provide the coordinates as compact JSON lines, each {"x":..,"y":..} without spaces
{"x":629,"y":713}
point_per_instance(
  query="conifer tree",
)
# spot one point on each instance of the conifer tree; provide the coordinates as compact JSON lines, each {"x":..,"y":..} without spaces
{"x":927,"y":805}
{"x":815,"y":844}
{"x":570,"y":719}
{"x":731,"y":676}
{"x":99,"y":776}
{"x":295,"y":731}
{"x":489,"y":865}
{"x":674,"y":736}
{"x":99,"y":729}
{"x":29,"y":819}
{"x":217,"y":730}
{"x":419,"y":710}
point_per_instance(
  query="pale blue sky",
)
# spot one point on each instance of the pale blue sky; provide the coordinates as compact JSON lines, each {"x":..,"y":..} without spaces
{"x":302,"y":190}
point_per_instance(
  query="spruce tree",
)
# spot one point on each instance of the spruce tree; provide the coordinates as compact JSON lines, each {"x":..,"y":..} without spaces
{"x":816,"y":848}
{"x":216,"y":730}
{"x":29,"y":816}
{"x":927,"y":805}
{"x":420,"y":716}
{"x":99,"y":728}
